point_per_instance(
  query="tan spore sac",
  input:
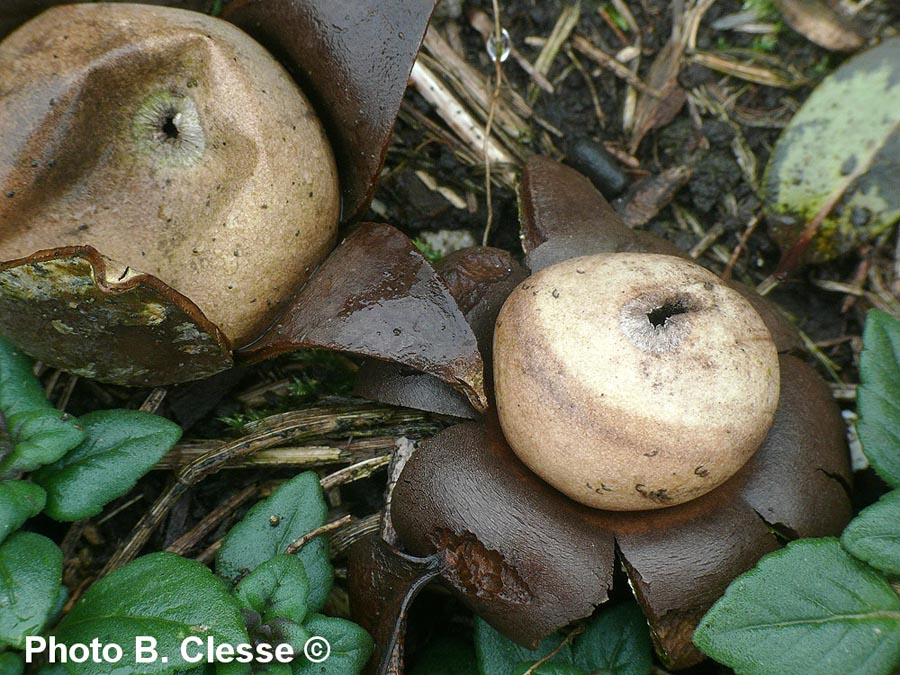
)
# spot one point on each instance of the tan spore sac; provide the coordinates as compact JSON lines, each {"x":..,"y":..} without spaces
{"x":633,"y":381}
{"x":174,"y":144}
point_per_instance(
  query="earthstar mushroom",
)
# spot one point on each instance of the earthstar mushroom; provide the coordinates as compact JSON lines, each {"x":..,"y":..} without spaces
{"x":203,"y":129}
{"x":526,"y":557}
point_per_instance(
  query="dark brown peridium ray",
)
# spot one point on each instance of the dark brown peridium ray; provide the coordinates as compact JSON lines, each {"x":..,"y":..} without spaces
{"x":382,"y":583}
{"x":376,"y":295}
{"x":522,"y":556}
{"x":480,"y":279}
{"x":563,"y":216}
{"x":804,"y":491}
{"x":353,"y":60}
{"x":149,"y":331}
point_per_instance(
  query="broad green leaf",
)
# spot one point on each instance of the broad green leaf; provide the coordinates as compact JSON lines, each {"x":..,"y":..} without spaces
{"x":846,"y":133}
{"x":30,"y":575}
{"x":120,"y":446}
{"x":615,"y":642}
{"x":809,"y":608}
{"x":273,"y":669}
{"x":549,"y":669}
{"x":19,"y":501}
{"x":38,"y":432}
{"x":350,"y":646}
{"x":446,"y":656}
{"x":285,"y":631}
{"x":11,"y":664}
{"x":272,"y":525}
{"x":498,"y":655}
{"x":874,"y":535}
{"x":161,"y":595}
{"x":878,"y":395}
{"x":276,"y":589}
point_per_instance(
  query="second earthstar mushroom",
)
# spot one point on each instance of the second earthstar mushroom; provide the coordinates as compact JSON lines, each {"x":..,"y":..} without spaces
{"x":180,"y":148}
{"x":530,"y":559}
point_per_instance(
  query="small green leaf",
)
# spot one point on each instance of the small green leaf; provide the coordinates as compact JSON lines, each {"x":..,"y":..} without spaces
{"x":809,"y":608}
{"x":30,"y":575}
{"x":615,"y":642}
{"x":161,"y":595}
{"x":878,"y":395}
{"x":498,"y":655}
{"x":350,"y":645}
{"x":120,"y":447}
{"x":272,"y":669}
{"x":855,"y":109}
{"x":272,"y":525}
{"x":874,"y":535}
{"x":39,"y":433}
{"x":11,"y":664}
{"x":548,"y":669}
{"x":446,"y":656}
{"x":276,"y":589}
{"x":19,"y":501}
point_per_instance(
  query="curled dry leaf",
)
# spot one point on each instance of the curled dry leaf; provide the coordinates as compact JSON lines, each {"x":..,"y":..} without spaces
{"x":530,"y":560}
{"x":662,"y":103}
{"x":377,"y":296}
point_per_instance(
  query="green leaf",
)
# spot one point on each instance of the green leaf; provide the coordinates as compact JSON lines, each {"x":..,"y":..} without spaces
{"x":498,"y":655}
{"x":276,"y":589}
{"x":874,"y":535}
{"x":549,"y":669}
{"x":30,"y":575}
{"x":445,"y":655}
{"x":11,"y":664}
{"x":120,"y":447}
{"x":615,"y":642}
{"x":272,"y":525}
{"x":809,"y":608}
{"x":19,"y":501}
{"x":878,"y":395}
{"x":39,"y":433}
{"x":161,"y":595}
{"x":350,"y":645}
{"x":855,"y":109}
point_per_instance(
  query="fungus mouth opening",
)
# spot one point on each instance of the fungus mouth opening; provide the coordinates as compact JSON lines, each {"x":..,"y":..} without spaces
{"x":168,"y":128}
{"x":657,"y":324}
{"x":170,"y":125}
{"x":659,"y":316}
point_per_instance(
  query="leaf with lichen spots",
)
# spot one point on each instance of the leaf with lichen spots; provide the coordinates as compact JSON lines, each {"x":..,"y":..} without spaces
{"x":843,"y":144}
